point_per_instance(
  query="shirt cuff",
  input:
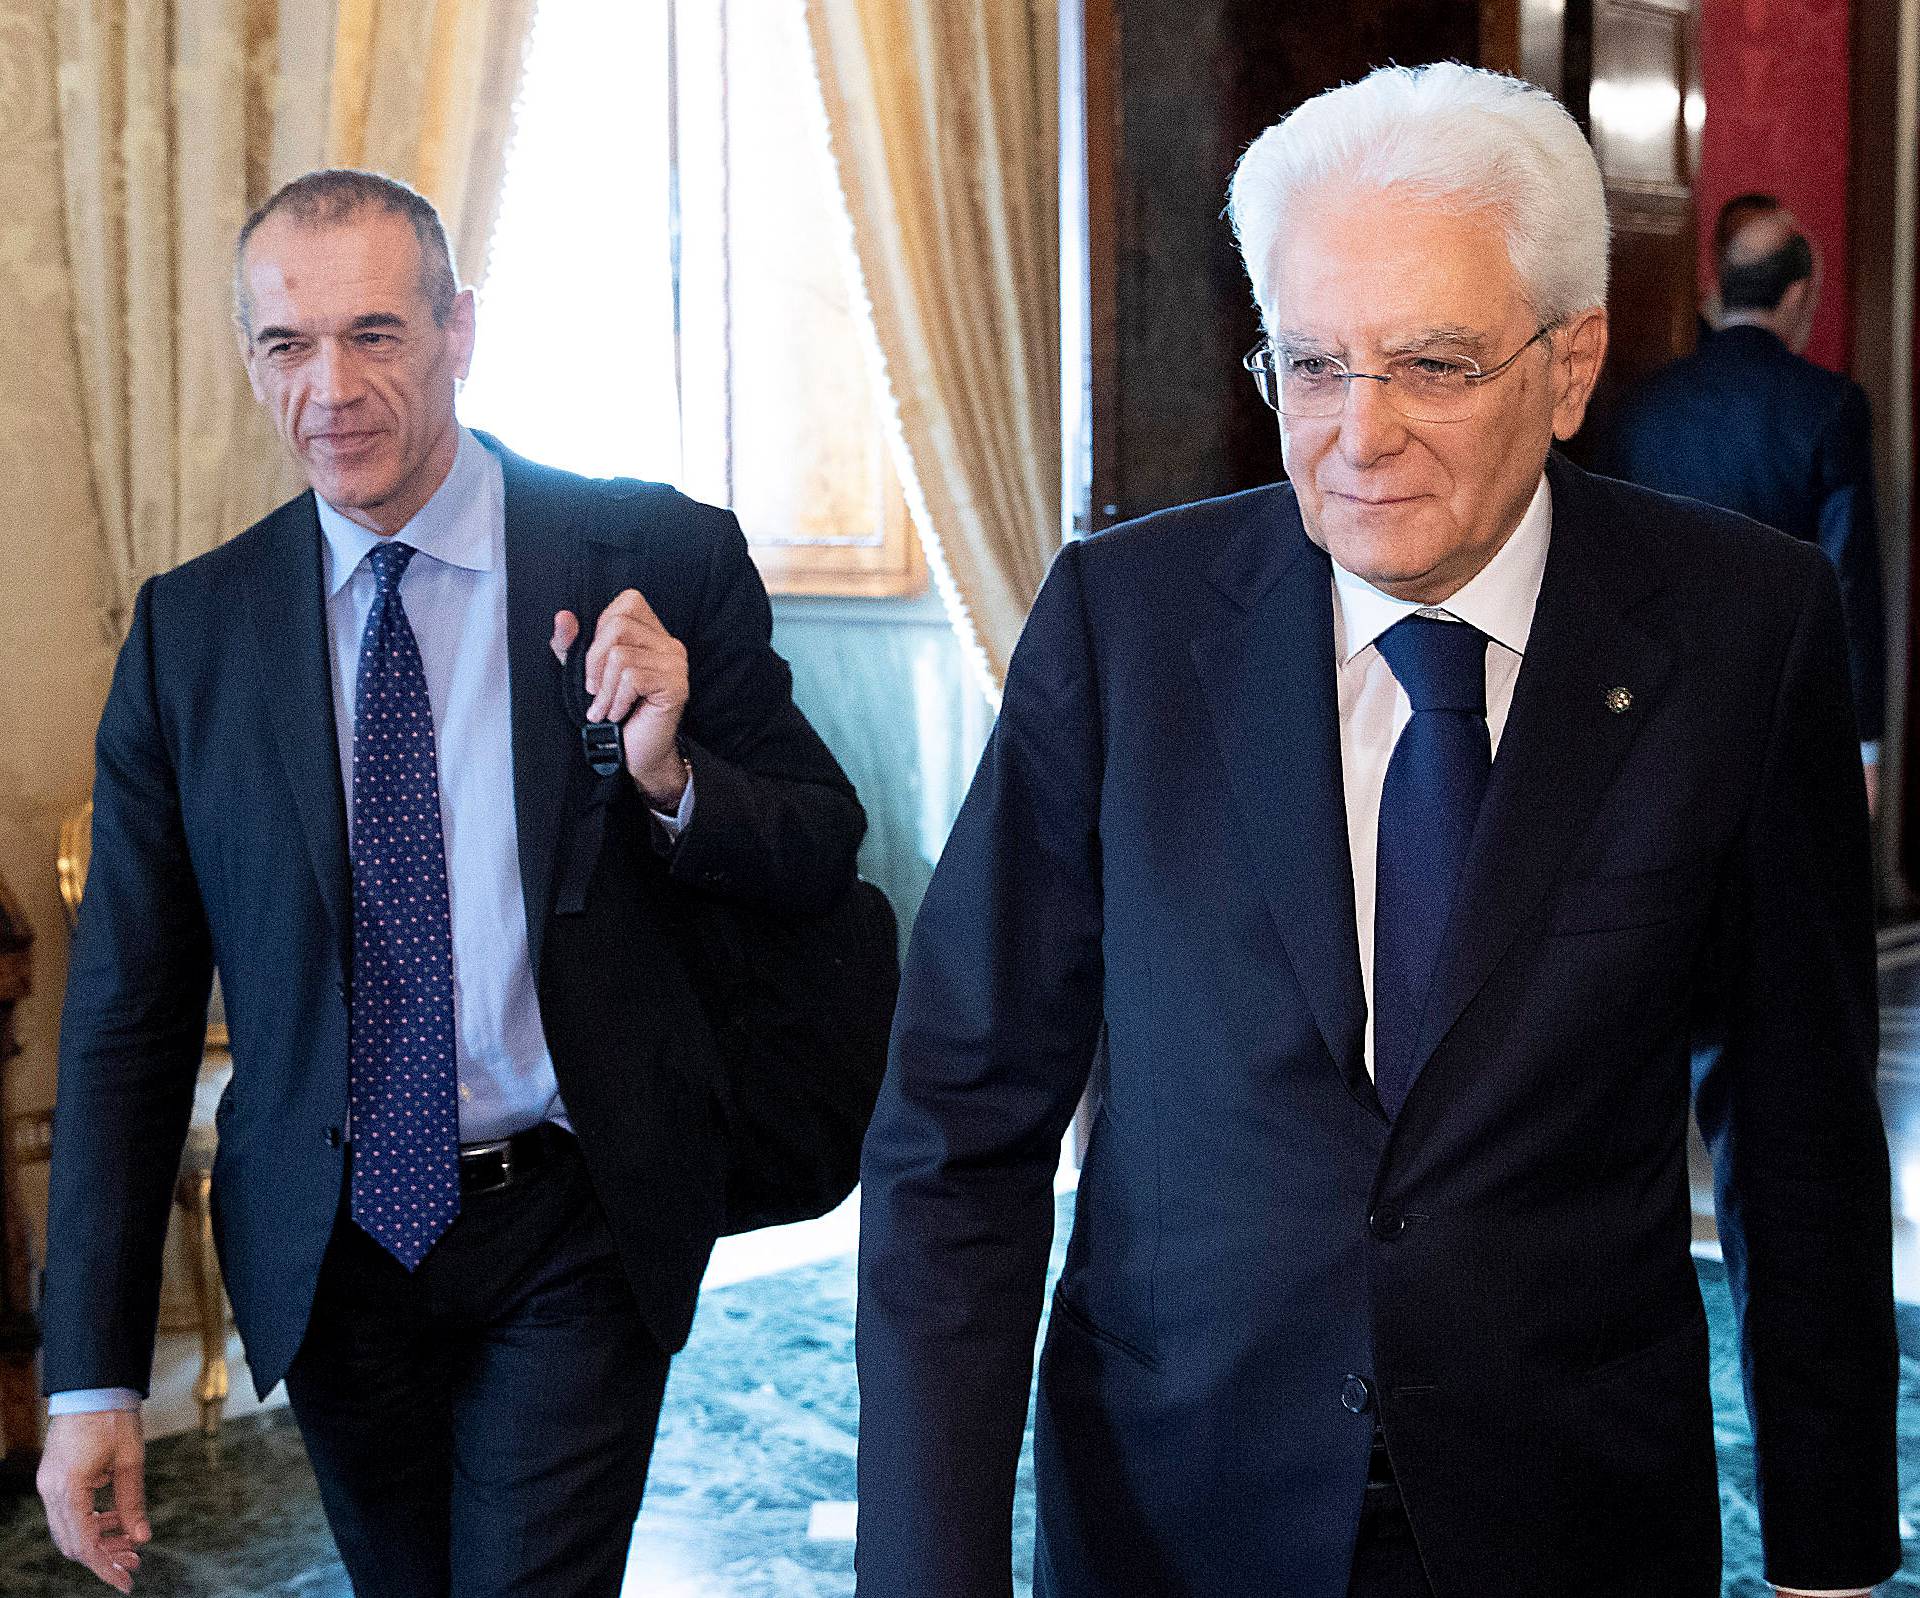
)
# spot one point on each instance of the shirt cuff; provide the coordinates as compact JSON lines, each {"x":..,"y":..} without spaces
{"x":92,"y":1400}
{"x":1869,"y":756}
{"x":678,"y":822}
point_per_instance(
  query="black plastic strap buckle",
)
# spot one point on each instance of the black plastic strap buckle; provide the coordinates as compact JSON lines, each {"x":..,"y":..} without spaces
{"x":601,"y":742}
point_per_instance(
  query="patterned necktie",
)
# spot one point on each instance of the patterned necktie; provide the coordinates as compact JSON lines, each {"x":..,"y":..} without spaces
{"x":1428,"y":804}
{"x":404,"y":1096}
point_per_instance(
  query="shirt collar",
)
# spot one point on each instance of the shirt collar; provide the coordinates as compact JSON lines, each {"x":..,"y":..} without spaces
{"x":451,"y":526}
{"x":1499,"y":599}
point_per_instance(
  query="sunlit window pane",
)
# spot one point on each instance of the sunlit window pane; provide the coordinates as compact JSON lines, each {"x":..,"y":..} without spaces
{"x":574,"y":364}
{"x":726,"y":358}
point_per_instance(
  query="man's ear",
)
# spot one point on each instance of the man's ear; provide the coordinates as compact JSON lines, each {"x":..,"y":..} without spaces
{"x":1794,"y":315}
{"x":460,"y":330}
{"x":1579,"y":352}
{"x":244,"y":340}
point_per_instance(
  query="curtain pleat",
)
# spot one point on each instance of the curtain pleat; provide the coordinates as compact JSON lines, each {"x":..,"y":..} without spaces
{"x":176,"y":118}
{"x":942,"y":122}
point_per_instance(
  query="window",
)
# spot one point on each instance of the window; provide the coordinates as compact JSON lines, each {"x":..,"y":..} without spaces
{"x":667,"y":294}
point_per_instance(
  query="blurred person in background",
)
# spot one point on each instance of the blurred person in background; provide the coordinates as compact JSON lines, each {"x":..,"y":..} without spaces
{"x":1749,"y":424}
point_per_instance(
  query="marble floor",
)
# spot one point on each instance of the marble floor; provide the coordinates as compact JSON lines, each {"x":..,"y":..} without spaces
{"x":753,"y":1477}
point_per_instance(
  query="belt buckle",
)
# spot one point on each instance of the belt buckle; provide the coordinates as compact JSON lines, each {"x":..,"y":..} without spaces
{"x":503,"y":1147}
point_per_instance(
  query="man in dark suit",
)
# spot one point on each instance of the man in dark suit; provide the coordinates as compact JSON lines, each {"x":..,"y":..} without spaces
{"x":1379,"y":846}
{"x":472,"y":1160}
{"x":1748,"y":424}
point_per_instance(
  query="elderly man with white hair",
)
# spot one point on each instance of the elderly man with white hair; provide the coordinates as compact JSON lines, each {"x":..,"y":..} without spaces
{"x":1383,"y":848}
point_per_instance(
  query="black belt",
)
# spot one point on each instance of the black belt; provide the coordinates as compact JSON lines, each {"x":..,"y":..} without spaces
{"x":504,"y":1161}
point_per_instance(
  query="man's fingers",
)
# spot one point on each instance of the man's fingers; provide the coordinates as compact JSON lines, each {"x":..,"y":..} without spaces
{"x":617,"y":693}
{"x":81,"y":1537}
{"x":631,"y":602}
{"x":627,"y":686}
{"x":130,"y":1478}
{"x":102,"y":1563}
{"x":72,"y":1514}
{"x":112,"y":1531}
{"x":628,"y":621}
{"x":644,"y":613}
{"x":634,"y":673}
{"x":566,"y":628}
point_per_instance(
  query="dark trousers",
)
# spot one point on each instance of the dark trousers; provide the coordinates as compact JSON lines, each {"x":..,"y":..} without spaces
{"x":481,"y":1428}
{"x":1386,"y":1562}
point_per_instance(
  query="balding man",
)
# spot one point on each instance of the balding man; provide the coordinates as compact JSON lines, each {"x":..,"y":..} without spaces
{"x":472,"y":1160}
{"x":1382,"y":846}
{"x":1733,"y":215}
{"x":1747,"y":423}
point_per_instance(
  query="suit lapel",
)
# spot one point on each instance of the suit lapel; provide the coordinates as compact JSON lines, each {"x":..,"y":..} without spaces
{"x":1561,"y":747}
{"x":286,"y":602}
{"x":543,"y":570}
{"x":1268,"y":677}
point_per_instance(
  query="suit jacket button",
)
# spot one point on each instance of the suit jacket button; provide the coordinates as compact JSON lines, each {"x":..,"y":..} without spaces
{"x":333,"y":1137}
{"x":1356,"y":1395}
{"x":1386,"y":1225}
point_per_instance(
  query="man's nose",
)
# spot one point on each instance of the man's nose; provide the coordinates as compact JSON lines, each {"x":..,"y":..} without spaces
{"x":1370,"y":427}
{"x":335,"y":375}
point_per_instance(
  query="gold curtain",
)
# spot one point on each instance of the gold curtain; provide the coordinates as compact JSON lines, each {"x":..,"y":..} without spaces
{"x":942,"y":120}
{"x":176,"y":117}
{"x":424,"y":89}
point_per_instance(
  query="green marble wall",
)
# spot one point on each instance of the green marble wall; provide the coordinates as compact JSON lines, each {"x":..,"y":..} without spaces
{"x":884,"y":684}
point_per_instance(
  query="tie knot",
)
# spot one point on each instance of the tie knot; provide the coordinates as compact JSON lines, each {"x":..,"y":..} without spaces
{"x":389,"y":560}
{"x":1441,"y":664}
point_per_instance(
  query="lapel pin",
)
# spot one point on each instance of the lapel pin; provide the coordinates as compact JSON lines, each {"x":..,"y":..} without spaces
{"x":1619,"y":700}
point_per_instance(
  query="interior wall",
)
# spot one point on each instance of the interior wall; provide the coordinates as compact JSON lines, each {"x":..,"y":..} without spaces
{"x":56,"y":649}
{"x":1778,"y":87}
{"x":884,"y":684}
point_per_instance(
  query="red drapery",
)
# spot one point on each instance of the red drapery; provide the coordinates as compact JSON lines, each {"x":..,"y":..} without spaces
{"x":1778,"y":77}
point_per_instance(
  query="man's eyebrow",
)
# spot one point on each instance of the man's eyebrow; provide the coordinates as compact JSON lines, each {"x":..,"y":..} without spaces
{"x":1292,"y":338}
{"x":372,"y":321}
{"x":1467,"y":339}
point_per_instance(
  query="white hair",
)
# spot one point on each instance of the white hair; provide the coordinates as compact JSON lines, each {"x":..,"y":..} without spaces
{"x":1454,"y":136}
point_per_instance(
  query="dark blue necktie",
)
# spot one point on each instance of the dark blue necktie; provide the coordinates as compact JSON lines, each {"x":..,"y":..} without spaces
{"x":1432,"y":794}
{"x":404,"y":1094}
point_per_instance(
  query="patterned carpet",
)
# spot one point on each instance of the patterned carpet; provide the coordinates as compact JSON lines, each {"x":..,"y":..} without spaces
{"x":759,"y":1428}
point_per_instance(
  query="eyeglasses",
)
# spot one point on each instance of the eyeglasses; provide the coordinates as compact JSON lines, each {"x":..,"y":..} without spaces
{"x":1422,"y":388}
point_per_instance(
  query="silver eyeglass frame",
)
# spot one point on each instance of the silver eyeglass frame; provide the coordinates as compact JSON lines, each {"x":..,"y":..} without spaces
{"x":1259,"y":361}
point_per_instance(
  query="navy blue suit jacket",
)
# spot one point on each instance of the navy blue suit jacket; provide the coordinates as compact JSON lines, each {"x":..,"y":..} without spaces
{"x":219,"y":840}
{"x":1745,"y":424}
{"x":1149,"y":884}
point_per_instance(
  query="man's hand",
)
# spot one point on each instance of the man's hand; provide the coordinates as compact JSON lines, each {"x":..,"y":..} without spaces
{"x":84,"y":1454}
{"x":635,"y":664}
